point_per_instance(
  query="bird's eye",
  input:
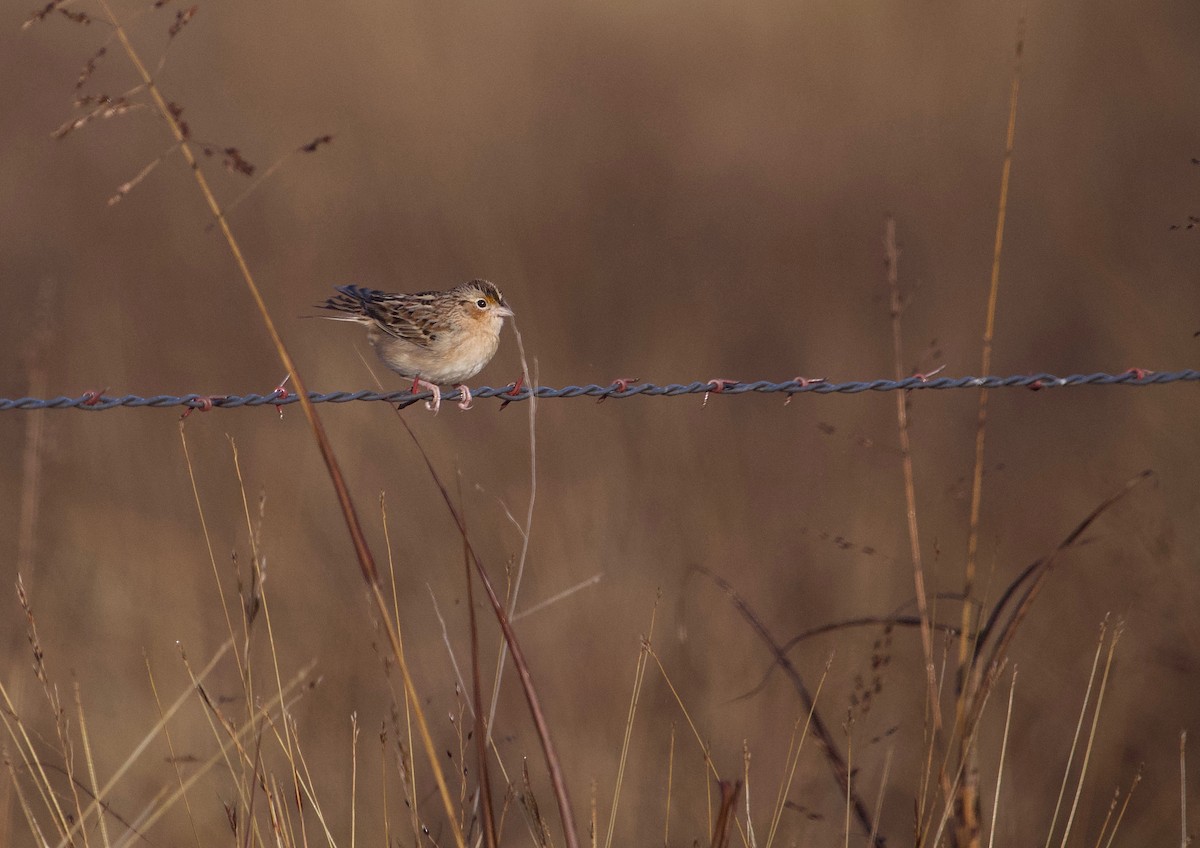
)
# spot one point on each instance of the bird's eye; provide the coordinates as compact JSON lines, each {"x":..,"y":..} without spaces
{"x":481,"y":303}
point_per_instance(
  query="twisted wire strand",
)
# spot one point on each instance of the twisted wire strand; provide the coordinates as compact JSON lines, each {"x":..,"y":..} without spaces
{"x":99,"y":402}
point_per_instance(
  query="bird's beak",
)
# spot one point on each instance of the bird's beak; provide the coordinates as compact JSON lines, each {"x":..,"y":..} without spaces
{"x":504,"y":310}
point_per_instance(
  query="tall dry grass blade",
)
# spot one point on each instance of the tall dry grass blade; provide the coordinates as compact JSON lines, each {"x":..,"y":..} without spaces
{"x":989,"y":332}
{"x":670,"y":783}
{"x":482,"y":727}
{"x":1137,"y":778}
{"x":849,"y":781}
{"x":187,"y":804}
{"x":408,"y":763}
{"x":1087,"y":698}
{"x":212,"y":558}
{"x":639,"y":676}
{"x":353,"y":779}
{"x":1087,"y":752}
{"x":556,"y":597}
{"x":531,"y":379}
{"x":751,"y":841}
{"x":883,"y":780}
{"x":90,"y":762}
{"x":792,"y":759}
{"x":1000,"y":768}
{"x":968,"y":825}
{"x":892,"y":260}
{"x":1184,"y":839}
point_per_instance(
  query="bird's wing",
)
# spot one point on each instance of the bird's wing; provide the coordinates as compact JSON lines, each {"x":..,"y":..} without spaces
{"x":415,"y":318}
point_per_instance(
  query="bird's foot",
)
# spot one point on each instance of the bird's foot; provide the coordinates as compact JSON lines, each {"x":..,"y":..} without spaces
{"x":436,"y":402}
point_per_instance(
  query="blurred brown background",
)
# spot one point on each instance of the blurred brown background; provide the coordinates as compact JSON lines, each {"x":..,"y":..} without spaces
{"x":670,"y":191}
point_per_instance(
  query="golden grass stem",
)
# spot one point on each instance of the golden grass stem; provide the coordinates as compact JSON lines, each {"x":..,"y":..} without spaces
{"x":989,"y":332}
{"x":1184,"y":838}
{"x":187,"y":804}
{"x":1137,"y":778}
{"x":892,"y":259}
{"x":1091,"y":741}
{"x":1087,"y":697}
{"x":670,"y":782}
{"x":531,"y":380}
{"x":1012,"y":688}
{"x":883,"y":782}
{"x":639,"y":675}
{"x":90,"y":761}
{"x":792,"y":759}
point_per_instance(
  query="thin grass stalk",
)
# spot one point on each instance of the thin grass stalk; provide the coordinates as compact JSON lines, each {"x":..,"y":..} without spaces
{"x":187,"y":804}
{"x":849,"y":778}
{"x":887,"y":768}
{"x":531,"y":379}
{"x":1087,"y":751}
{"x":1000,"y":768}
{"x":639,"y":676}
{"x":892,"y":258}
{"x":1184,"y":839}
{"x":212,"y":558}
{"x":482,"y":732}
{"x":989,"y":332}
{"x":353,"y":778}
{"x":90,"y":762}
{"x":1137,"y":778}
{"x":670,"y":781}
{"x":1087,"y":697}
{"x":786,"y":786}
{"x":750,"y":840}
{"x":968,"y":806}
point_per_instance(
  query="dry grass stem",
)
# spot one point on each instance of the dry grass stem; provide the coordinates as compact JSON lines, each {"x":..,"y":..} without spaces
{"x":1184,"y":839}
{"x":1087,"y":697}
{"x":792,"y":759}
{"x":892,"y":259}
{"x":639,"y":675}
{"x":1012,"y":688}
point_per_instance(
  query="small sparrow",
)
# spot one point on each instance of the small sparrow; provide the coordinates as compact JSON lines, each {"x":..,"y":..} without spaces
{"x":439,"y":338}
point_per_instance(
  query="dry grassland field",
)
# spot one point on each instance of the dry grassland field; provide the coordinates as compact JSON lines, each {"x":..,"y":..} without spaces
{"x":751,"y":616}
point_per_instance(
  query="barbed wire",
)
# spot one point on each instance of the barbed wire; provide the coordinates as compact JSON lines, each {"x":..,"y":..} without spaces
{"x":618,"y":389}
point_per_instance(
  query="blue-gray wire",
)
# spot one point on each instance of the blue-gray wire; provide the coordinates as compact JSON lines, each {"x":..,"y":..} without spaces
{"x":97,"y":402}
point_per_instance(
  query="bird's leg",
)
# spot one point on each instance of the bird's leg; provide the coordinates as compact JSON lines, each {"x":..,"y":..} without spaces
{"x":436,"y":403}
{"x":465,"y":403}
